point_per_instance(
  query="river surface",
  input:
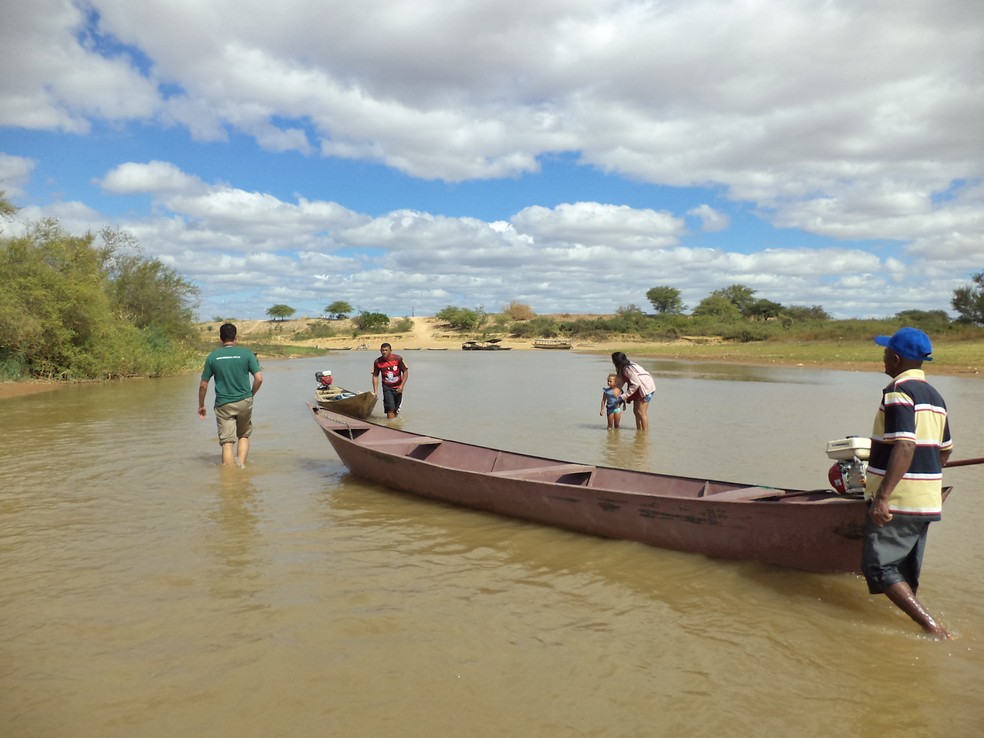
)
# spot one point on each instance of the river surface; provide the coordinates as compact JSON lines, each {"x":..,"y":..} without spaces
{"x":147,"y":591}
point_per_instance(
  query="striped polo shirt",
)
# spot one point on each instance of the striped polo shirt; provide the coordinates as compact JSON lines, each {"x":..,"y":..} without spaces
{"x":911,"y":409}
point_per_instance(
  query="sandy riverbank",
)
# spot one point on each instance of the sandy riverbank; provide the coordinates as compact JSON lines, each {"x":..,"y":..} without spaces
{"x":429,"y":334}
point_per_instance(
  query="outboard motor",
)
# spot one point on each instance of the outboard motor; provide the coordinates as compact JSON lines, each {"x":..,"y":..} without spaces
{"x":323,"y":378}
{"x":847,"y":475}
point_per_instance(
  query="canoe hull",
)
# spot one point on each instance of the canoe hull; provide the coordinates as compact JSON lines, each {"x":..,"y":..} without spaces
{"x":817,"y":530}
{"x":352,"y":404}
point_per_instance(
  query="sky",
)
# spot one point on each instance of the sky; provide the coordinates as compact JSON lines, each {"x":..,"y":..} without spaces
{"x":564,"y":154}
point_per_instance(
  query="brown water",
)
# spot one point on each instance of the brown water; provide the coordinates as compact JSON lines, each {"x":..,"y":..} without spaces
{"x":146,"y":591}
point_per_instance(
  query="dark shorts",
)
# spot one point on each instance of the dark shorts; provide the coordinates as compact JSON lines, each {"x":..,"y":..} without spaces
{"x":894,"y":552}
{"x":391,"y":399}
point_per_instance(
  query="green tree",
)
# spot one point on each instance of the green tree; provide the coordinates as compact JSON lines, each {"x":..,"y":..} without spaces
{"x":717,"y":306}
{"x":61,"y":314}
{"x":738,"y":295}
{"x":280,"y":312}
{"x":969,"y":301}
{"x":7,"y":208}
{"x":366,"y":321}
{"x":666,"y":300}
{"x":338,"y":310}
{"x":763,"y":309}
{"x":803,"y":312}
{"x":54,"y":309}
{"x":146,"y":292}
{"x":462,"y":318}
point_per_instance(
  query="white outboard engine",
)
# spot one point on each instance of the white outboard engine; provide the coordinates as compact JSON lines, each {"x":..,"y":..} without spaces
{"x":323,"y":378}
{"x":847,"y":475}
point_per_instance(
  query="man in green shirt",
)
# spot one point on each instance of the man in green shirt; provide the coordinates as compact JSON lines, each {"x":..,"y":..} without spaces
{"x":231,"y":366}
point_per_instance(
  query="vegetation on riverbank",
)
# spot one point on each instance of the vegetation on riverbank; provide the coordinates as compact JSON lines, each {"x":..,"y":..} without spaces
{"x":91,"y":307}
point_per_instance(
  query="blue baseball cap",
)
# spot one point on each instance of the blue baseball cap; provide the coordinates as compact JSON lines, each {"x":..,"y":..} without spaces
{"x":909,"y":343}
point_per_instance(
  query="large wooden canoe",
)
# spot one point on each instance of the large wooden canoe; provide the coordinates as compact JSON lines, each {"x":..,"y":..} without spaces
{"x":815,"y":530}
{"x":338,"y":399}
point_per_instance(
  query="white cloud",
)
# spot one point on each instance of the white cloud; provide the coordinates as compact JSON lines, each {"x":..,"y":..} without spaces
{"x":229,"y":239}
{"x":840,"y":120}
{"x":15,"y":172}
{"x":711,"y":219}
{"x":52,"y":78}
{"x":594,"y":223}
{"x":155,"y":177}
{"x":798,"y":91}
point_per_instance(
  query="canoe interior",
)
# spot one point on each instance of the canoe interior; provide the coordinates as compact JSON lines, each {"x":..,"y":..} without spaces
{"x":511,"y":465}
{"x":340,"y":400}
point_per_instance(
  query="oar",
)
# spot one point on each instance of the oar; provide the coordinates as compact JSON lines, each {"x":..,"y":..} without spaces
{"x":965,"y":462}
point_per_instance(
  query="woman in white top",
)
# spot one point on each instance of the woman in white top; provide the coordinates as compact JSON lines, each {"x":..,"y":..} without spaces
{"x":639,"y":387}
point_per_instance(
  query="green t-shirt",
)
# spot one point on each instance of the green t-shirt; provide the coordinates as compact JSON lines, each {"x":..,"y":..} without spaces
{"x":231,"y":367}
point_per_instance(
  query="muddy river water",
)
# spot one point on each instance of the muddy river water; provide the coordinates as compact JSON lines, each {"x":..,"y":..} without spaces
{"x":147,"y":591}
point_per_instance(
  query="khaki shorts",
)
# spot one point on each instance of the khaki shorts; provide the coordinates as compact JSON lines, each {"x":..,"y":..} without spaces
{"x":234,"y":420}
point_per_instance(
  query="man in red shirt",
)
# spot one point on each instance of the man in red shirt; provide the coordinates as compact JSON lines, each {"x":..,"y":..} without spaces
{"x":395,"y":373}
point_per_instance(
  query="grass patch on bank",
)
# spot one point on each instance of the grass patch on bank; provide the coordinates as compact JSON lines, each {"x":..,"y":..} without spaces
{"x":951,"y":357}
{"x":284,"y":350}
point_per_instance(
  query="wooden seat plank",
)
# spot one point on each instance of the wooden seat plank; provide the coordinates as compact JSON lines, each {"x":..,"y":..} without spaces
{"x":537,"y":470}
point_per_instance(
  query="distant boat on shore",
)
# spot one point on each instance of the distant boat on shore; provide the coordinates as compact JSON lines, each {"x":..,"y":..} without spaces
{"x":491,"y":345}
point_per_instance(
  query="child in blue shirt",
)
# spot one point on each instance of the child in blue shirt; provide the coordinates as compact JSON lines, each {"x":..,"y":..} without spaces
{"x":611,"y":402}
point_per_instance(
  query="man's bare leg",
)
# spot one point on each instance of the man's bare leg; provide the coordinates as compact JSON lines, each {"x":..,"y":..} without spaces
{"x":902,"y":595}
{"x":228,"y":454}
{"x":243,"y":452}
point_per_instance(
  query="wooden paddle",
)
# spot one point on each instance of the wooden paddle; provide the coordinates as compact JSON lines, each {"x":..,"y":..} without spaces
{"x":965,"y":462}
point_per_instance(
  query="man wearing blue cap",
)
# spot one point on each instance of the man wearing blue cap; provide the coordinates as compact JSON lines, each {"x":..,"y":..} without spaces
{"x":910,"y":445}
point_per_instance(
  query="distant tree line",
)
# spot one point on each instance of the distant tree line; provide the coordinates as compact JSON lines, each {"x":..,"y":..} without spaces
{"x":732,"y":313}
{"x":336,"y":311}
{"x":736,"y":301}
{"x":725,"y":312}
{"x":739,"y":301}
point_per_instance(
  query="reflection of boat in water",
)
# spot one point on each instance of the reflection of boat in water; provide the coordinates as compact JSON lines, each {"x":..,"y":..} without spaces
{"x":490,"y":345}
{"x":815,"y":530}
{"x":553,"y":343}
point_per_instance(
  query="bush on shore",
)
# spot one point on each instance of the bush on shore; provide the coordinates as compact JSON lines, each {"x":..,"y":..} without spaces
{"x":82,"y":307}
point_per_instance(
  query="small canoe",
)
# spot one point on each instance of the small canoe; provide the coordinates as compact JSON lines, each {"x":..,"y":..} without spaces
{"x":341,"y":400}
{"x":553,"y":343}
{"x":815,"y":530}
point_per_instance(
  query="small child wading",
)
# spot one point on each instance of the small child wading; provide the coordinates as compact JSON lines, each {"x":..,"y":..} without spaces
{"x":611,"y":402}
